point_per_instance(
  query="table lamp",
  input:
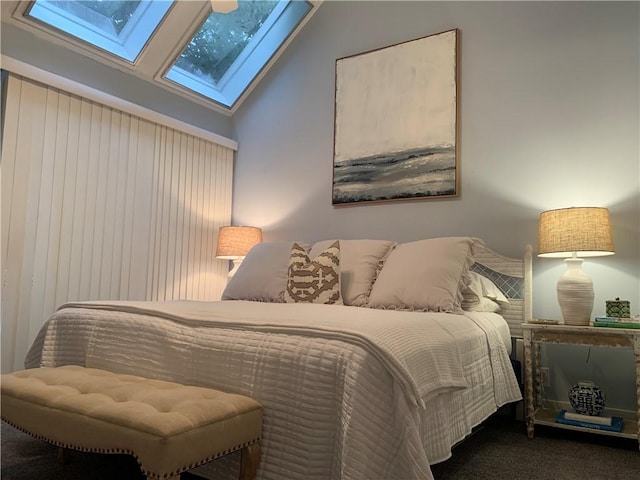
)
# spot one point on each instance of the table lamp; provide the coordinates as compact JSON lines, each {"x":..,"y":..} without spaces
{"x":573,"y":233}
{"x":234,"y":242}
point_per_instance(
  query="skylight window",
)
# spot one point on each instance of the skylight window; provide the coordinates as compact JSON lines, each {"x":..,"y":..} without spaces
{"x":122,"y":28}
{"x":230,"y":49}
{"x":214,"y":59}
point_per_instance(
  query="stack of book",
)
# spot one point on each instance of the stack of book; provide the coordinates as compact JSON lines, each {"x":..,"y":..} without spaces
{"x":612,"y":424}
{"x":617,"y":322}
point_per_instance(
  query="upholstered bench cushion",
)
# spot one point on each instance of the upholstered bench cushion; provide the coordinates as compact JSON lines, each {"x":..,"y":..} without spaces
{"x":169,"y":427}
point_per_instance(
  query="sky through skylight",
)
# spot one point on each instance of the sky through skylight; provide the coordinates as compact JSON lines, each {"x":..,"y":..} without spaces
{"x":218,"y":63}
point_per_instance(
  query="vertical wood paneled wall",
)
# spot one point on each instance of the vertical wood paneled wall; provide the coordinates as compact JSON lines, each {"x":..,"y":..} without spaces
{"x":100,"y":204}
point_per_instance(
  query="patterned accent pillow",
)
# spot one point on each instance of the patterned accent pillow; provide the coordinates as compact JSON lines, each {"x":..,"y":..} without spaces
{"x":314,"y":281}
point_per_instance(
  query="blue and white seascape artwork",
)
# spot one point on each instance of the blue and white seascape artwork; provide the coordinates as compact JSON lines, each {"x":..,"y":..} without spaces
{"x":420,"y":172}
{"x":395,"y":122}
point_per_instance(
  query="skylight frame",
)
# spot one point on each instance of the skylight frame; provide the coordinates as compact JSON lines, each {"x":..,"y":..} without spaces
{"x":256,"y":43}
{"x":155,"y":58}
{"x":248,"y":68}
{"x":127,"y":46}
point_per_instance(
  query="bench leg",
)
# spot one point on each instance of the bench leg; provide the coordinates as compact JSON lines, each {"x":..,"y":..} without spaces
{"x":61,"y":455}
{"x":249,"y":461}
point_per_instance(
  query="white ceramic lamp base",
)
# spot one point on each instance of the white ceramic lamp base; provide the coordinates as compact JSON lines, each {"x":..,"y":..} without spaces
{"x":236,"y":266}
{"x":575,"y":294}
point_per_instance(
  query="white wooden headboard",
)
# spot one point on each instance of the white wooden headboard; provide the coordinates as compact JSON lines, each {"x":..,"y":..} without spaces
{"x":513,"y":277}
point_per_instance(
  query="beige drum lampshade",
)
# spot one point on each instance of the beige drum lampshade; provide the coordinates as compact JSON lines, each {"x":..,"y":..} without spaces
{"x":234,"y":242}
{"x":572,"y":233}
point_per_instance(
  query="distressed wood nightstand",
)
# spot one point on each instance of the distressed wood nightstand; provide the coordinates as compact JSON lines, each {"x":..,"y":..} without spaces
{"x":535,"y":334}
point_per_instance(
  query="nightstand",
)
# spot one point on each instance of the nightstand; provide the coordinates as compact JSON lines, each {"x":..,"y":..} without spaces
{"x":535,"y":334}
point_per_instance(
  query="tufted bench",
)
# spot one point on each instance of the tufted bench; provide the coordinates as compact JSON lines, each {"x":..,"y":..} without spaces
{"x":168,"y":427}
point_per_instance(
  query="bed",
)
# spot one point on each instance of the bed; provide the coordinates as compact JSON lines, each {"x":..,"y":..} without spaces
{"x":371,"y":359}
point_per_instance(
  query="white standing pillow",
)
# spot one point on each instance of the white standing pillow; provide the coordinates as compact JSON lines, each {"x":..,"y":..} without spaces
{"x":426,"y":275}
{"x":360,"y":262}
{"x":262,"y":276}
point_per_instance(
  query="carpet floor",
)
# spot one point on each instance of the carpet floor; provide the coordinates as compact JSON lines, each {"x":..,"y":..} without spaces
{"x":499,"y":450}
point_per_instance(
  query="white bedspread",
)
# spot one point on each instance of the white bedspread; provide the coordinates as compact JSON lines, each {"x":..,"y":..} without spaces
{"x":344,"y":389}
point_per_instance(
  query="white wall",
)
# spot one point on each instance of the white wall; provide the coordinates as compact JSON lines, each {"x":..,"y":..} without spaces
{"x":549,"y":118}
{"x":31,"y":49}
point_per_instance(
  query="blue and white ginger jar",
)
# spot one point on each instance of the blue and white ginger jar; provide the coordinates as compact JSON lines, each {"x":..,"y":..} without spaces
{"x":587,"y":398}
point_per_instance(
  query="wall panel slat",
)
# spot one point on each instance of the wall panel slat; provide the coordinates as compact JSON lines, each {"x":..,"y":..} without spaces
{"x":98,"y":204}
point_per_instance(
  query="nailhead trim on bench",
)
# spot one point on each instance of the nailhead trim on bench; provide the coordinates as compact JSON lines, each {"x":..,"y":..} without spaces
{"x":129,"y":452}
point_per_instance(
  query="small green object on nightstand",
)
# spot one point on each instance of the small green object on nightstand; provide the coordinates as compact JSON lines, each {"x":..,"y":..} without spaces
{"x":618,"y":308}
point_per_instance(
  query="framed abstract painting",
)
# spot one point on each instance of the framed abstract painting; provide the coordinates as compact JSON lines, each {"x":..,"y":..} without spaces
{"x":395,"y":135}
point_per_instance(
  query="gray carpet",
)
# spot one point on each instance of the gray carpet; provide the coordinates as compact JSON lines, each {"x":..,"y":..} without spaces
{"x":499,"y":450}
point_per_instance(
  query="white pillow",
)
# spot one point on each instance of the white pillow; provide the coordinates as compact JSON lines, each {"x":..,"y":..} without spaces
{"x":262,"y":275}
{"x":426,"y":275}
{"x":360,"y":262}
{"x":485,"y":305}
{"x":478,"y":289}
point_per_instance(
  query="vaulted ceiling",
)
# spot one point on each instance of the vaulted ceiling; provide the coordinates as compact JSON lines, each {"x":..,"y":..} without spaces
{"x":175,"y":31}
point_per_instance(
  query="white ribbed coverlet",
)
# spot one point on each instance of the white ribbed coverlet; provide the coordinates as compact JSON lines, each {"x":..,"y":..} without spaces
{"x":348,"y":392}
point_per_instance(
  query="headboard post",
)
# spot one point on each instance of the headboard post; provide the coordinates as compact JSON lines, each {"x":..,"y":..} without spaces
{"x":528,"y":283}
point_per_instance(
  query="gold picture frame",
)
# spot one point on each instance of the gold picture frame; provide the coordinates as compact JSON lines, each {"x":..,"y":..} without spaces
{"x":396,"y":115}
